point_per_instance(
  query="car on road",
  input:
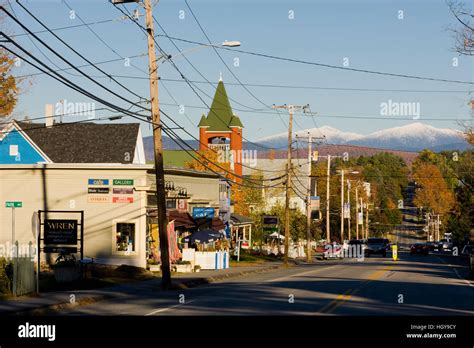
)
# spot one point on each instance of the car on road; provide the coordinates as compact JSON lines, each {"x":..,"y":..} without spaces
{"x":467,"y":251}
{"x":445,"y":244}
{"x":420,"y":248}
{"x":375,"y":246}
{"x":432,"y":246}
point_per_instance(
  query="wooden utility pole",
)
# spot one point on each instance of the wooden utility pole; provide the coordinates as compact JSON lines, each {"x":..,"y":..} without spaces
{"x":357,"y":212}
{"x":158,"y":150}
{"x":342,"y":206}
{"x":291,"y":109}
{"x":308,"y":203}
{"x":349,"y":206}
{"x":328,"y":200}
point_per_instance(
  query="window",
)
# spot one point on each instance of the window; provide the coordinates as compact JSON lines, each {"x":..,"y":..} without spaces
{"x":13,"y":150}
{"x":125,"y":237}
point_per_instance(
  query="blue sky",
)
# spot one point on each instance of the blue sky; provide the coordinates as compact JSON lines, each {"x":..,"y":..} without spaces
{"x":367,"y":32}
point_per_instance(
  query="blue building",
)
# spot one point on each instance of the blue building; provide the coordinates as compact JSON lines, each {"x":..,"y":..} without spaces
{"x":32,"y":143}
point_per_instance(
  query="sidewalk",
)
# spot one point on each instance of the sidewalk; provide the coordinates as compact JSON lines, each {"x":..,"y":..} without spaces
{"x":44,"y":303}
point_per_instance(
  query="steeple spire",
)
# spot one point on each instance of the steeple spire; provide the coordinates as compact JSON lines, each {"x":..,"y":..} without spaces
{"x":220,"y":76}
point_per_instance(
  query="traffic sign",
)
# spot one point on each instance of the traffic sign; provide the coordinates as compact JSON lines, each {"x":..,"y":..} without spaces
{"x":13,"y":204}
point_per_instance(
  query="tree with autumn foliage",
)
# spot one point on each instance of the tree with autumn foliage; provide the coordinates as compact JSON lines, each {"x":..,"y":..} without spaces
{"x":432,"y":190}
{"x":8,"y":85}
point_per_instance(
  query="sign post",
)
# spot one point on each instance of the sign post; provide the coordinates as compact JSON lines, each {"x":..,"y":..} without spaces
{"x":12,"y":206}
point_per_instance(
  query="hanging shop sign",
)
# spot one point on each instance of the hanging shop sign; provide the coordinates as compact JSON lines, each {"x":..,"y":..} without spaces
{"x":206,"y":212}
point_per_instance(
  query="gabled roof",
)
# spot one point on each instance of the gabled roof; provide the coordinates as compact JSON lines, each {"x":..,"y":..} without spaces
{"x":235,"y":122}
{"x":238,"y":219}
{"x":220,"y":115}
{"x":85,"y":142}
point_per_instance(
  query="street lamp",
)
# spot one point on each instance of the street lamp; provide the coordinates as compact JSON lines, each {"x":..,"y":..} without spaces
{"x":182,"y":53}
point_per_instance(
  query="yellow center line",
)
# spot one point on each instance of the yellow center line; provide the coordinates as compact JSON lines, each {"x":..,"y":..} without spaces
{"x":340,"y":299}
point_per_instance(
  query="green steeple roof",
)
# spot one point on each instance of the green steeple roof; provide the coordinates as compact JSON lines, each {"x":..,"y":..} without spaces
{"x":235,"y":122}
{"x":220,"y":115}
{"x":203,"y":122}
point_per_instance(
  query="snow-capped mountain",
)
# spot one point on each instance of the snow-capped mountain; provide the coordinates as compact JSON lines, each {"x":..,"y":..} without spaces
{"x":415,"y":136}
{"x":332,"y":135}
{"x":411,"y":137}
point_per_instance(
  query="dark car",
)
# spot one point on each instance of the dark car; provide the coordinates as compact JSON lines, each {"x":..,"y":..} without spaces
{"x":466,"y":251}
{"x":432,"y":246}
{"x":376,"y":246}
{"x":420,"y":248}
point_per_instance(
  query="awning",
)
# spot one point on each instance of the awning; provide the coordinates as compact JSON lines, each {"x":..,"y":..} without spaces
{"x":181,"y":219}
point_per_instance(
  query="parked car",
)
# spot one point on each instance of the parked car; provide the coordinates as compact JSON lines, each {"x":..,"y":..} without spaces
{"x":420,"y":248}
{"x":467,"y":251}
{"x":432,"y":246}
{"x":445,"y":244}
{"x":375,"y":246}
{"x":357,"y":246}
{"x":387,"y":243}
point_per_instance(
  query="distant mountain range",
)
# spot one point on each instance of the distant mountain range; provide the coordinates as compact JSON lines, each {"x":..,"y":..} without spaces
{"x":412,"y":137}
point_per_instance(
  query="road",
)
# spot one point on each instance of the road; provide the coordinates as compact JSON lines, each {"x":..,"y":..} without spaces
{"x":413,"y":285}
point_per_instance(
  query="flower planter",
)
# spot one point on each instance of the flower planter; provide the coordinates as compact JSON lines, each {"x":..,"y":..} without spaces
{"x":154,"y":268}
{"x":66,"y":274}
{"x":183,"y":268}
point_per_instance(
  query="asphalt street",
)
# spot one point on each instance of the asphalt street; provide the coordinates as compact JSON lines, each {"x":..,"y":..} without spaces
{"x":413,"y":285}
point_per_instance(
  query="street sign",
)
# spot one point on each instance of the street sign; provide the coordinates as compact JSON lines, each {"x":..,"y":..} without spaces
{"x":13,"y":204}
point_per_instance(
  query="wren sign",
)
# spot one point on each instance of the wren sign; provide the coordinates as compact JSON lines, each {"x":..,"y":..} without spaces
{"x":13,"y":204}
{"x":60,"y":232}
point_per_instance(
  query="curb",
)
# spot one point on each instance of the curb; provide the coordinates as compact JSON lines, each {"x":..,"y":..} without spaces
{"x":187,"y":284}
{"x":201,"y":281}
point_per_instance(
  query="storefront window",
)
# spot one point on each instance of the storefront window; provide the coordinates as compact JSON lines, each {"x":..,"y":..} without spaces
{"x":125,"y":234}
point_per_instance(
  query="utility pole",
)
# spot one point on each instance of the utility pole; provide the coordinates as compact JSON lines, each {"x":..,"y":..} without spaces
{"x":291,"y":109}
{"x":342,"y":206}
{"x":367,"y":220}
{"x":357,"y":213}
{"x":158,"y":150}
{"x":328,"y":224}
{"x":308,"y":203}
{"x":349,"y":206}
{"x":362,"y":220}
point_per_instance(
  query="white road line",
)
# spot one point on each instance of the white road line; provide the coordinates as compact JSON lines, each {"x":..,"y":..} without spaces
{"x":455,"y":271}
{"x":167,"y":308}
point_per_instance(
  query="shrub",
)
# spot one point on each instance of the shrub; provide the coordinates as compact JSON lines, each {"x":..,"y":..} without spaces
{"x":6,"y":275}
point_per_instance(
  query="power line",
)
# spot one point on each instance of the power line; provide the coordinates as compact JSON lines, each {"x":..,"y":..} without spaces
{"x":68,"y":46}
{"x":331,"y":66}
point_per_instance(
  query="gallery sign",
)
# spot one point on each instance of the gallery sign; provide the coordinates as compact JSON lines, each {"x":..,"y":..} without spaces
{"x":60,"y":232}
{"x":123,"y":182}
